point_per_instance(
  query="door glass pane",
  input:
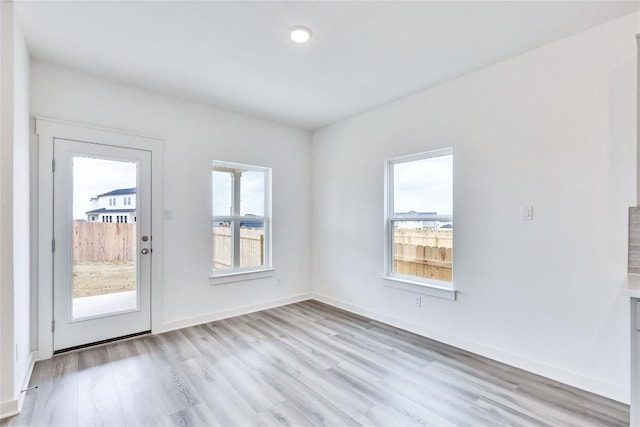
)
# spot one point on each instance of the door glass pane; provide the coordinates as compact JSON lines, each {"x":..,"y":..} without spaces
{"x":251,"y":243}
{"x":104,"y":237}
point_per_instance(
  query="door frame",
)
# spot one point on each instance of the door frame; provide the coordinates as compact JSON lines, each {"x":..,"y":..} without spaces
{"x":47,"y":130}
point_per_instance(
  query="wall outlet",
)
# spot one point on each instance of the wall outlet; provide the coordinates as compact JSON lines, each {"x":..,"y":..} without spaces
{"x":417,"y":301}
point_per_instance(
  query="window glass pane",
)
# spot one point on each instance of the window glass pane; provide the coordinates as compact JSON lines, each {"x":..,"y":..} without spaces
{"x":222,"y":245}
{"x":239,"y":214}
{"x":252,"y":193}
{"x":251,"y":243}
{"x":423,"y":186}
{"x":423,"y":249}
{"x":222,"y":185}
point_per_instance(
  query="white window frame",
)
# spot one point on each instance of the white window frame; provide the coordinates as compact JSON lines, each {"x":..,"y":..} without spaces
{"x":426,"y":286}
{"x":238,"y":273}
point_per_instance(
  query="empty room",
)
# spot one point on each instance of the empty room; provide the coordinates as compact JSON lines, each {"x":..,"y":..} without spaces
{"x":319,"y":213}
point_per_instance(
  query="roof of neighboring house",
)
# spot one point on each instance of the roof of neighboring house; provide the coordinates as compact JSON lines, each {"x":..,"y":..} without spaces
{"x":111,"y":211}
{"x":243,"y":223}
{"x":414,"y":213}
{"x":414,"y":216}
{"x":119,"y":191}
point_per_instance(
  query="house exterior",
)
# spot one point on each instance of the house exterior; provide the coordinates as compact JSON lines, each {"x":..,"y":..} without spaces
{"x":432,"y":221}
{"x":115,"y":206}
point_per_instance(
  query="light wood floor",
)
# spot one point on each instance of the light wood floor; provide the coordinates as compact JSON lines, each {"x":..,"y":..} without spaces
{"x":297,"y":365}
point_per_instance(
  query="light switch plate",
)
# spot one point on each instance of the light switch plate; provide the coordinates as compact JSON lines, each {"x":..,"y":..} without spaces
{"x":526,"y":213}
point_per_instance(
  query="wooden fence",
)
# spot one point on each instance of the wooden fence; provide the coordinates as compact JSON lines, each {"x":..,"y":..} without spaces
{"x":251,"y":247}
{"x":433,"y":238}
{"x":103,"y":242}
{"x":424,"y":253}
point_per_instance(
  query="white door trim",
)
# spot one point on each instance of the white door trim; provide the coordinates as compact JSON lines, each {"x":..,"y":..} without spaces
{"x":46,"y":130}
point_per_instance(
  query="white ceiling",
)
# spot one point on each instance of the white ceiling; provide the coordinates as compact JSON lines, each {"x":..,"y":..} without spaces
{"x":237,"y":54}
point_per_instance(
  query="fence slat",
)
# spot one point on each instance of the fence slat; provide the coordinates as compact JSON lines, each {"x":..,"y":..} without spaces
{"x":424,"y":253}
{"x":416,"y":252}
{"x":103,"y":242}
{"x":251,"y":247}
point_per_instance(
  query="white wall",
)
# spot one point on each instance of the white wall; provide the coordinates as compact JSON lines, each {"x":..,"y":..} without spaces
{"x":7,"y":395}
{"x":553,"y":128}
{"x":15,"y":351}
{"x":194,"y":135}
{"x":21,"y":209}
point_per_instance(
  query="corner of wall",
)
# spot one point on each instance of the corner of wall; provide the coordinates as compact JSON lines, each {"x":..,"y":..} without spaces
{"x":15,"y":261}
{"x":7,"y":341}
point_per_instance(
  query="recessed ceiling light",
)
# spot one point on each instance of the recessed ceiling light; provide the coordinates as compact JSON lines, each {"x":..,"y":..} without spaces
{"x":300,"y":34}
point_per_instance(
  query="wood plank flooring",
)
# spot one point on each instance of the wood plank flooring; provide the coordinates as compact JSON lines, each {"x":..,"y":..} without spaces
{"x":303,"y":364}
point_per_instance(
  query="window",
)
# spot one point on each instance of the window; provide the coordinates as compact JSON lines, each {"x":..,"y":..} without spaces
{"x":127,"y":201}
{"x":419,"y":218}
{"x":112,"y":201}
{"x":241,"y":207}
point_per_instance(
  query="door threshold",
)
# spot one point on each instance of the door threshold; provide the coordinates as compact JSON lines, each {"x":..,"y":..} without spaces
{"x":99,"y":343}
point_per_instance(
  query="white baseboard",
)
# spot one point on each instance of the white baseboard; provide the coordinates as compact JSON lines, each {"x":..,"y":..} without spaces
{"x":573,"y":379}
{"x":13,"y":407}
{"x":237,"y":311}
{"x":9,"y":409}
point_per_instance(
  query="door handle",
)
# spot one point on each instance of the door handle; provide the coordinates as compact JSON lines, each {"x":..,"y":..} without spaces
{"x":144,"y":251}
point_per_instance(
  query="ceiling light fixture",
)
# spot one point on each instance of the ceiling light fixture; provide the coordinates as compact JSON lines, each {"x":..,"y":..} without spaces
{"x":300,"y":34}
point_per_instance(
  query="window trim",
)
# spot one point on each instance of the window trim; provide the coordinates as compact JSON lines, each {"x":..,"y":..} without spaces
{"x":236,"y":274}
{"x":241,"y":276}
{"x":392,"y":279}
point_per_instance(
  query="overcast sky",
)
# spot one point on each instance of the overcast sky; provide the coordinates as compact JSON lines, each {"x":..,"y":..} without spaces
{"x":424,"y":186}
{"x":251,"y":193}
{"x":92,"y":177}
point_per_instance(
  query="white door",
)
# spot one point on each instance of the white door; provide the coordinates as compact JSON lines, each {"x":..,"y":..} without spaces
{"x":102,"y":242}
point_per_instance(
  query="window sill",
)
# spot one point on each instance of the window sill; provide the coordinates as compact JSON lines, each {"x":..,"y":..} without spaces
{"x":430,"y":289}
{"x":240,"y":276}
